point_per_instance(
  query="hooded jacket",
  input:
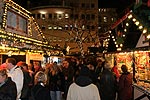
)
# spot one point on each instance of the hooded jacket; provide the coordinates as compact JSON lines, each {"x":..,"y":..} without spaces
{"x":83,"y":88}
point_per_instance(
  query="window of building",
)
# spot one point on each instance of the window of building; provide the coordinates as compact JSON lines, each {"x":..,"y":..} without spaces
{"x":105,"y":19}
{"x":50,"y":16}
{"x":66,"y":15}
{"x":66,"y":27}
{"x":87,"y":5}
{"x":55,"y":27}
{"x":71,"y":16}
{"x":55,"y":16}
{"x":59,"y":16}
{"x":71,"y":5}
{"x":93,"y":27}
{"x":43,"y":16}
{"x":59,"y":40}
{"x":49,"y":27}
{"x":88,"y":16}
{"x":102,"y":10}
{"x":83,"y":5}
{"x":76,"y":16}
{"x":82,"y":16}
{"x":60,"y":28}
{"x":43,"y":27}
{"x":88,"y":27}
{"x":93,"y":17}
{"x":112,"y":19}
{"x":92,"y":5}
{"x":38,"y":16}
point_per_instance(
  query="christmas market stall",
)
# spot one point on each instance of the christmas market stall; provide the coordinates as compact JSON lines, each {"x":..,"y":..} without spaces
{"x":128,"y":44}
{"x":20,"y":34}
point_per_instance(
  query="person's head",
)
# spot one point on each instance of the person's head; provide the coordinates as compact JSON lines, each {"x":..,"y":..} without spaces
{"x":3,"y":75}
{"x":107,"y":65}
{"x":10,"y":63}
{"x":65,"y":63}
{"x":40,"y":77}
{"x":124,"y":68}
{"x":84,"y":71}
{"x":23,"y":65}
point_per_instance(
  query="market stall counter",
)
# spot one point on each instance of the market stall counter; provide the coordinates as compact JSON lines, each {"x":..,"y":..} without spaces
{"x":142,"y":90}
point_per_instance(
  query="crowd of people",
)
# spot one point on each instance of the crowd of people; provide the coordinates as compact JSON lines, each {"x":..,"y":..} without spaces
{"x":73,"y":79}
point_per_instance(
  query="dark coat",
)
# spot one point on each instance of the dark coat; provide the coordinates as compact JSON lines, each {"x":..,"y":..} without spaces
{"x":8,"y":90}
{"x":68,"y":74}
{"x":125,"y":87}
{"x":56,"y":82}
{"x":26,"y":88}
{"x":40,"y":92}
{"x":108,"y":85}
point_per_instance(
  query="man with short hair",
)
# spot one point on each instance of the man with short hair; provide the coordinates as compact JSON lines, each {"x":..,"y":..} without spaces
{"x":16,"y":74}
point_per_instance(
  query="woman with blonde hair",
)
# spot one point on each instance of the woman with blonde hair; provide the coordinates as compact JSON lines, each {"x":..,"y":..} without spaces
{"x":39,"y":90}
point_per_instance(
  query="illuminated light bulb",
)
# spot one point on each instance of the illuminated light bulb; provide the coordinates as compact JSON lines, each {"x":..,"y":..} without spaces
{"x":121,"y":45}
{"x":133,"y":19}
{"x":148,"y":36}
{"x":118,"y":49}
{"x":130,"y":16}
{"x":137,"y":23}
{"x":144,"y":31}
{"x":140,"y":27}
{"x":125,"y":30}
{"x":127,"y":24}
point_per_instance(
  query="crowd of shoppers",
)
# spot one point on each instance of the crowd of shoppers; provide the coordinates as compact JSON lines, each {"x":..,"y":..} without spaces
{"x":73,"y":79}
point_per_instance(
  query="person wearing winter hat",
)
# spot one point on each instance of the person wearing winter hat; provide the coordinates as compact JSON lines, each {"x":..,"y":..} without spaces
{"x":83,"y":88}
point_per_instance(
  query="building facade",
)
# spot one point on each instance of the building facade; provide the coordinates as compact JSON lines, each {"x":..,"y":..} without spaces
{"x":71,"y":24}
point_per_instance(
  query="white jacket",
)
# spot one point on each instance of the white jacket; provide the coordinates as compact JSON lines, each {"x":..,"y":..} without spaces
{"x":89,"y":92}
{"x":16,"y":75}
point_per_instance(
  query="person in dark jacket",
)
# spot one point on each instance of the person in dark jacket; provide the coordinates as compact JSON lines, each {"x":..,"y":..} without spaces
{"x":39,"y":90}
{"x":125,"y":84}
{"x":8,"y":89}
{"x":25,"y":92}
{"x":68,"y":74}
{"x":55,"y":82}
{"x":108,"y":83}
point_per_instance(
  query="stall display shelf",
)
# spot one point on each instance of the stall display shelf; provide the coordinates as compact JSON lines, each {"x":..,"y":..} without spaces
{"x":144,"y":87}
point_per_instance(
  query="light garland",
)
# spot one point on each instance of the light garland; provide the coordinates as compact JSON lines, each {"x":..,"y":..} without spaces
{"x":19,"y":40}
{"x":137,"y":23}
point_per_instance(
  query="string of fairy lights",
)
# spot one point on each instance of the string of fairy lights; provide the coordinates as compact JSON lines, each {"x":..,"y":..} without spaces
{"x":14,"y":40}
{"x":131,"y":17}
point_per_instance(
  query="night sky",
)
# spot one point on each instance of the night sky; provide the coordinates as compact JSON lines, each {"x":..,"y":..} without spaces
{"x":115,"y":3}
{"x":102,"y":3}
